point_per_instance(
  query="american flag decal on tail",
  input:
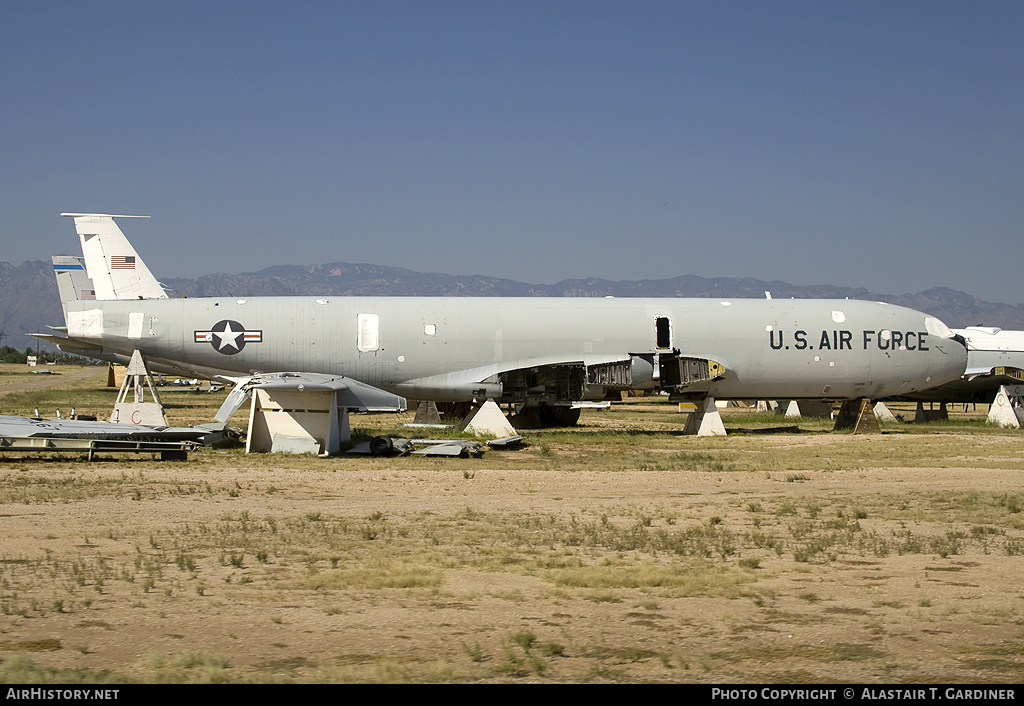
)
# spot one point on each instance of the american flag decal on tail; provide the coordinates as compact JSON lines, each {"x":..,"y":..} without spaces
{"x":122,"y":262}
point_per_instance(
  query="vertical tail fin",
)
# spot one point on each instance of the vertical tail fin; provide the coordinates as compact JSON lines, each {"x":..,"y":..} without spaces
{"x":73,"y":283}
{"x":116,"y":270}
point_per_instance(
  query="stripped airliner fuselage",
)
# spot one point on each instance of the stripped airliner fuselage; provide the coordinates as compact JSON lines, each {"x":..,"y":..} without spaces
{"x":552,"y":353}
{"x":550,"y":350}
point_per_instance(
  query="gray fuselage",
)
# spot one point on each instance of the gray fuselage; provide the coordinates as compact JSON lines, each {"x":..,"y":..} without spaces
{"x":451,"y":349}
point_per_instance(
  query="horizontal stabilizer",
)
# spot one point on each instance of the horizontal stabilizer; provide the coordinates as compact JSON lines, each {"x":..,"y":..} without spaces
{"x":69,"y":345}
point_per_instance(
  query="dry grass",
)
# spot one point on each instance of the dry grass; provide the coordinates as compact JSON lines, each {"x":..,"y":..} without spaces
{"x":618,"y":551}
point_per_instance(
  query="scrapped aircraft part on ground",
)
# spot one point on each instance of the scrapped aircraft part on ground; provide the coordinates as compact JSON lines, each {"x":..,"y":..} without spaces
{"x":459,"y":449}
{"x":488,"y":420}
{"x":26,"y":434}
{"x":858,"y":415}
{"x":509,"y":442}
{"x":138,"y":411}
{"x":397,"y":446}
{"x":385,"y":446}
{"x":705,"y":420}
{"x":168,"y":450}
{"x":882,"y":413}
{"x":36,"y":427}
{"x":1006,"y":407}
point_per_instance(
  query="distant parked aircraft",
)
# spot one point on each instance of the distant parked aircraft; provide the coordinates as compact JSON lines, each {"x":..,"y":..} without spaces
{"x":995,"y":357}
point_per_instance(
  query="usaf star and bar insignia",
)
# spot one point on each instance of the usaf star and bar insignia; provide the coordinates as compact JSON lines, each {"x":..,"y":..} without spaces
{"x":228,"y":337}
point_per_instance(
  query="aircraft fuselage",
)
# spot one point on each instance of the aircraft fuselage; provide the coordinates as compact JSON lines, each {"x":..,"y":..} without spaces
{"x":456,"y":349}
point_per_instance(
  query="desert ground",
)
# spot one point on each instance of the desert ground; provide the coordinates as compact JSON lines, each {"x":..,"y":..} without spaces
{"x":616,"y":551}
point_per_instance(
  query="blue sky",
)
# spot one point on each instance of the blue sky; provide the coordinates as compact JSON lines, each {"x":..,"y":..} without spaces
{"x":875,"y":144}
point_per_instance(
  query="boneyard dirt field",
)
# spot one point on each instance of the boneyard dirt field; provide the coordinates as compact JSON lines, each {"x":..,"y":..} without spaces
{"x":618,"y":551}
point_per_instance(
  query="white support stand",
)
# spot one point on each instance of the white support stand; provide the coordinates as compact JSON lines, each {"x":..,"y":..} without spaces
{"x":706,"y":420}
{"x":488,"y":420}
{"x":882,"y":413}
{"x":139,"y":411}
{"x":290,"y":421}
{"x":794,"y":409}
{"x":1005,"y":408}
